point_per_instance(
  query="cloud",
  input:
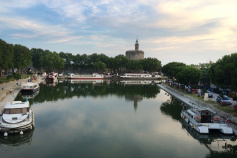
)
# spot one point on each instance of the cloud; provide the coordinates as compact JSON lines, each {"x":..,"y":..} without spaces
{"x":110,"y":26}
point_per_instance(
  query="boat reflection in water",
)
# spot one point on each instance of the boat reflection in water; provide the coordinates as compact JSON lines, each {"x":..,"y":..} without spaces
{"x":87,"y":81}
{"x":16,"y":141}
{"x":29,"y":95}
{"x":216,"y":142}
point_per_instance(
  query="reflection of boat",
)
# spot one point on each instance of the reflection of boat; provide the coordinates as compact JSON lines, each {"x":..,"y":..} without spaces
{"x":203,"y":120}
{"x":30,"y":87}
{"x":16,"y":141}
{"x":215,"y":141}
{"x":29,"y":95}
{"x":16,"y":117}
{"x":93,"y":76}
{"x":87,"y":81}
{"x":140,"y":76}
{"x":136,"y":82}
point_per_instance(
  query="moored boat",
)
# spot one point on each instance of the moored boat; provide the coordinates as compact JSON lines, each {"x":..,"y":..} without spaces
{"x":203,"y":120}
{"x":52,"y":77}
{"x":140,"y":76}
{"x":17,"y":117}
{"x":93,"y":76}
{"x":30,"y":87}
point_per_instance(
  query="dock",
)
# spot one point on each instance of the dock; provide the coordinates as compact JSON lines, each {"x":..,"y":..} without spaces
{"x":192,"y":102}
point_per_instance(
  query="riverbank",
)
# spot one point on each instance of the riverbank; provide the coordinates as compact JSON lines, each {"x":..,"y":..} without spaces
{"x":9,"y":91}
{"x":190,"y":100}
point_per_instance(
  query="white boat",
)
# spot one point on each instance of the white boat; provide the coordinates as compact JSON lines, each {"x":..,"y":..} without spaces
{"x":203,"y":120}
{"x":140,"y":76}
{"x":30,"y":87}
{"x":93,"y":76}
{"x":52,"y":77}
{"x":16,"y":117}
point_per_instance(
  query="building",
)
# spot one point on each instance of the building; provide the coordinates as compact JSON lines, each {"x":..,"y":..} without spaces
{"x":135,"y":54}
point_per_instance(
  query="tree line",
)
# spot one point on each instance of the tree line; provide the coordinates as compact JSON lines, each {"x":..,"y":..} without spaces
{"x":223,"y":73}
{"x":18,"y":56}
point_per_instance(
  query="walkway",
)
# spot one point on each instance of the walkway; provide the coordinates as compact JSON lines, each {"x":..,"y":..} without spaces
{"x":9,"y":91}
{"x":190,"y":101}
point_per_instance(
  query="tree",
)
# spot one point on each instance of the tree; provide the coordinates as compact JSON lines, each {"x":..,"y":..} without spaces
{"x":223,"y":73}
{"x":22,"y":57}
{"x":120,"y":62}
{"x":134,"y":65}
{"x":189,"y":75}
{"x":6,"y":56}
{"x":151,"y":64}
{"x":100,"y":66}
{"x":172,"y":69}
{"x":205,"y":79}
{"x":36,"y":54}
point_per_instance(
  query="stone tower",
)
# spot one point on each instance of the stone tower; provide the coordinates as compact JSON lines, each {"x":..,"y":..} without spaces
{"x":135,"y":54}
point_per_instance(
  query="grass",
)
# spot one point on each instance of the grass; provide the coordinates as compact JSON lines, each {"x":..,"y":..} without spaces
{"x":227,"y":108}
{"x":5,"y":80}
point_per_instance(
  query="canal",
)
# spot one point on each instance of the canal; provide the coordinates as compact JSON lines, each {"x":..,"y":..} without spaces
{"x":110,"y":119}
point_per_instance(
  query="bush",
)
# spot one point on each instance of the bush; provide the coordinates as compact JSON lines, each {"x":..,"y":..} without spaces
{"x":9,"y":76}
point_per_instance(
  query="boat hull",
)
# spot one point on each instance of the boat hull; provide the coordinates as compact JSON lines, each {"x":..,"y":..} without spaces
{"x":204,"y":128}
{"x":16,"y":128}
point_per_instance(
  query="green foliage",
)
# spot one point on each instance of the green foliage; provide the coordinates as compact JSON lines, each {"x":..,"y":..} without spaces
{"x":224,"y":73}
{"x":9,"y":76}
{"x":151,"y":65}
{"x":171,"y":69}
{"x":22,"y":56}
{"x":99,"y":65}
{"x":189,"y":74}
{"x":6,"y":55}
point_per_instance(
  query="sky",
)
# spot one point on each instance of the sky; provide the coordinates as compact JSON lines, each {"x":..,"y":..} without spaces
{"x":185,"y":31}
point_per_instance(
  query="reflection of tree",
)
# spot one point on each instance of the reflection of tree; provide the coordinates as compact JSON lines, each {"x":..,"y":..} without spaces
{"x":66,"y":90}
{"x":172,"y":108}
{"x":16,"y":141}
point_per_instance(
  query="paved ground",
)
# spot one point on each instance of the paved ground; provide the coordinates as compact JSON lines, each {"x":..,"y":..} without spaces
{"x":194,"y":102}
{"x":9,"y":91}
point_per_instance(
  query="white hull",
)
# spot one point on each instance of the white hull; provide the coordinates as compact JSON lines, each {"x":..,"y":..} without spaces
{"x":16,"y":117}
{"x":204,"y":128}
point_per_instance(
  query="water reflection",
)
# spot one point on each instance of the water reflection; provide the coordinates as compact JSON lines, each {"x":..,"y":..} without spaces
{"x":218,"y":144}
{"x":69,"y":89}
{"x":16,"y":141}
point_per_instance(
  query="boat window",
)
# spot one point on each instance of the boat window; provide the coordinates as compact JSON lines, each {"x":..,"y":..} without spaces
{"x":16,"y":111}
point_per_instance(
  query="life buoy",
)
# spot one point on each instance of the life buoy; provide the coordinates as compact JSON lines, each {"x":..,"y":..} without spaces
{"x":196,"y":117}
{"x":217,"y":118}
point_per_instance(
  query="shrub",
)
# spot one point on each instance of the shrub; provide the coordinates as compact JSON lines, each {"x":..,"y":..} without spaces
{"x":9,"y":76}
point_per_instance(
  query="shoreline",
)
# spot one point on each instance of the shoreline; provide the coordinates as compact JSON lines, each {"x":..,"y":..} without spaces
{"x":232,"y":119}
{"x":9,"y":91}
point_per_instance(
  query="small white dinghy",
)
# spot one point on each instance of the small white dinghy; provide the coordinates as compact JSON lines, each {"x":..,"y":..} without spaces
{"x":17,"y":117}
{"x":203,"y":120}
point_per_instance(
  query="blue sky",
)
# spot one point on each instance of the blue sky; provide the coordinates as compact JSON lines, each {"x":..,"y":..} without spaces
{"x":170,"y":30}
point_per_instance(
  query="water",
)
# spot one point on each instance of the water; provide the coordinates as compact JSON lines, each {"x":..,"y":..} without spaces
{"x":110,"y":120}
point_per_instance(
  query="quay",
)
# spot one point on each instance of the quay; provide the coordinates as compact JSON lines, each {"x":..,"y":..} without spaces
{"x":192,"y":102}
{"x":9,"y":91}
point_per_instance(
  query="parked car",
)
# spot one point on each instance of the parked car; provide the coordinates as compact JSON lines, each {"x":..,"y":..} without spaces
{"x":210,"y":95}
{"x":223,"y":100}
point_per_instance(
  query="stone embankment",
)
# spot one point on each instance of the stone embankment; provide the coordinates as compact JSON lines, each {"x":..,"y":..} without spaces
{"x":9,"y":91}
{"x":196,"y":103}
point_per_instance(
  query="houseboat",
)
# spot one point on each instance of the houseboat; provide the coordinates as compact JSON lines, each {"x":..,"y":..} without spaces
{"x":30,"y":87}
{"x":93,"y":76}
{"x":52,"y":77}
{"x":17,"y":117}
{"x":203,"y":120}
{"x":140,"y":76}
